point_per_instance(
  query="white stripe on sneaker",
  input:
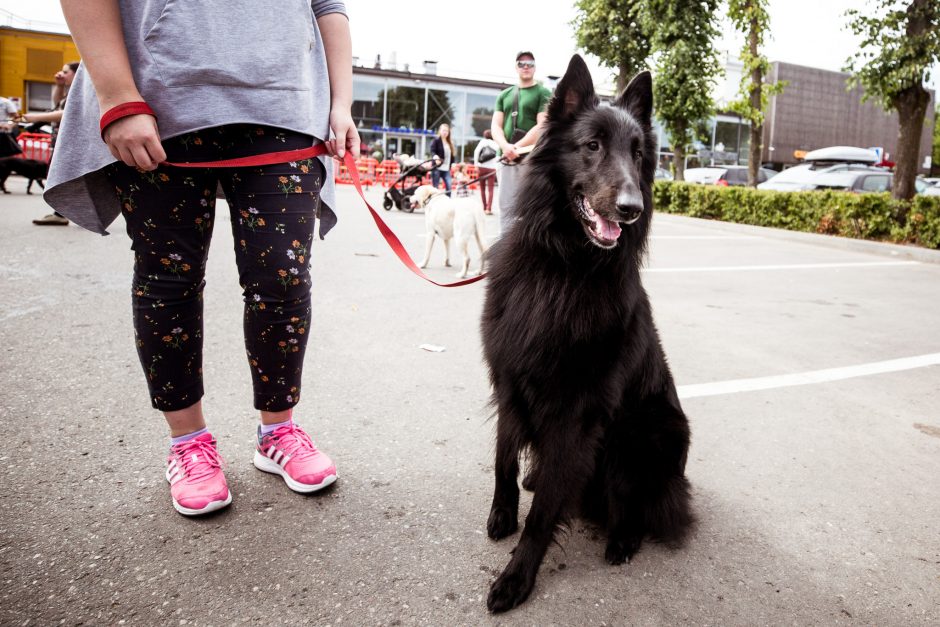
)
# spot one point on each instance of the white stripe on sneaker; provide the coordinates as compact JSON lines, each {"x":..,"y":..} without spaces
{"x":277,"y":457}
{"x":270,"y":451}
{"x":284,"y":461}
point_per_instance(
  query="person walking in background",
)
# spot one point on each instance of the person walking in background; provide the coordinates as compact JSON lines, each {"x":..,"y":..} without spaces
{"x":486,"y":168}
{"x":517,"y":123}
{"x":183,"y":96}
{"x":443,"y":150}
{"x":60,"y":92}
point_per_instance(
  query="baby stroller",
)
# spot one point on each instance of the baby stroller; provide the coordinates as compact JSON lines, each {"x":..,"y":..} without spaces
{"x":400,"y":191}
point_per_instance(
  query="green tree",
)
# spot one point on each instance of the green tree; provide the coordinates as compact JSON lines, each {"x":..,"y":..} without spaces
{"x":899,"y":45}
{"x":751,"y":18}
{"x":687,"y":67}
{"x":617,"y":33}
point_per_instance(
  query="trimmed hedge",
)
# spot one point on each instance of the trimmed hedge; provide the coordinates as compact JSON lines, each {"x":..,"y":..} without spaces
{"x":861,"y":216}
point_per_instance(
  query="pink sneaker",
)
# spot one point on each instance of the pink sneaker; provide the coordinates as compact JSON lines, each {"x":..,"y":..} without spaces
{"x":289,"y":452}
{"x":194,"y":470}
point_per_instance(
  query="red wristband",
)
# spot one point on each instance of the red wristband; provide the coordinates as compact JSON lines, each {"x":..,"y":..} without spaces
{"x":122,"y":111}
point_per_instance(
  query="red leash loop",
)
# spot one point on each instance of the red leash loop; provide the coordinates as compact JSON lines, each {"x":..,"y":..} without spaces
{"x":287,"y":156}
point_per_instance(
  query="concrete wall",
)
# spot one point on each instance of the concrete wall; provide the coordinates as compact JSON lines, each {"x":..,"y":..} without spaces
{"x":815,"y":111}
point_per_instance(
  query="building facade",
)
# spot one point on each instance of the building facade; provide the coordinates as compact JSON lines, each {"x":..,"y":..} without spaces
{"x":29,"y":60}
{"x":817,"y":110}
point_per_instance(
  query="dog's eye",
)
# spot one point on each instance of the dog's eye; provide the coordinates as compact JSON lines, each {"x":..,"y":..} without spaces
{"x":593,"y":146}
{"x":637,"y":154}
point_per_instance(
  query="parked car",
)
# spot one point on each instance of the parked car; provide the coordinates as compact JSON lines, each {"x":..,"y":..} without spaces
{"x":726,"y":175}
{"x":662,"y":174}
{"x":803,"y":176}
{"x":874,"y":180}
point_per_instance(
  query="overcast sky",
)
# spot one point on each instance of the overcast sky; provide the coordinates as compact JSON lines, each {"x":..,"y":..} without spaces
{"x":479,"y":38}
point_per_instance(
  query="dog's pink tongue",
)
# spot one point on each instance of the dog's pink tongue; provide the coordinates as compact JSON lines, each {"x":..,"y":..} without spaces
{"x":608,"y":230}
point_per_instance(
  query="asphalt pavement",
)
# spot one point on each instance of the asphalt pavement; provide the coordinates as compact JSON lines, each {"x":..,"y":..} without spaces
{"x":810,"y":374}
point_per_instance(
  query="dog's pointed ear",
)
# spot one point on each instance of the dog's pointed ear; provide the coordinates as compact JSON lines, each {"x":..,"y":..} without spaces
{"x":574,"y":92}
{"x":637,"y":98}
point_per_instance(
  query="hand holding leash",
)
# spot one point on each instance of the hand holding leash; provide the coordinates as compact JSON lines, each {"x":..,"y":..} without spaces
{"x":131,"y":134}
{"x":517,"y":153}
{"x":346,"y":135}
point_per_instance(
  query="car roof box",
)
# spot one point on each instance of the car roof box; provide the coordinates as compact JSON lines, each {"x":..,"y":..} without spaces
{"x":842,"y":154}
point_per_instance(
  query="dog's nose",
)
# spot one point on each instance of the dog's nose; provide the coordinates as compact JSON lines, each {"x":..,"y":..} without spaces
{"x":630,"y":213}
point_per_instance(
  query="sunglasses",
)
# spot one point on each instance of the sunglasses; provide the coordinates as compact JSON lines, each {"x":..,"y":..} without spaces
{"x":525,"y":64}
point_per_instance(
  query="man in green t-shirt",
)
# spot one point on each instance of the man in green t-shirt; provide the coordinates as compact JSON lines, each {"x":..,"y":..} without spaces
{"x":531,"y":115}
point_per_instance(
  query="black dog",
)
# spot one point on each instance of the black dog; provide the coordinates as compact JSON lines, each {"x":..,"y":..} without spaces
{"x":579,"y":376}
{"x":32,"y":169}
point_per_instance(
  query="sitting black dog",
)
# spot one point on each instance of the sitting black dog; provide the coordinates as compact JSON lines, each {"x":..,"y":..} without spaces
{"x":32,"y":169}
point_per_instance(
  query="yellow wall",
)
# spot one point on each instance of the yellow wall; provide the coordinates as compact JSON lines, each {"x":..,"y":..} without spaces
{"x":27,"y":55}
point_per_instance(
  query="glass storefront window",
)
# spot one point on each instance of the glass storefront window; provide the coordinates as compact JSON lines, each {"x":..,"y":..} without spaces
{"x":368,"y":103}
{"x":397,"y":116}
{"x":479,"y":112}
{"x":405,"y":106}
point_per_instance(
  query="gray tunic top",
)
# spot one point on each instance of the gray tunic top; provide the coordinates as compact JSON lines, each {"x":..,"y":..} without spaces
{"x":200,"y":64}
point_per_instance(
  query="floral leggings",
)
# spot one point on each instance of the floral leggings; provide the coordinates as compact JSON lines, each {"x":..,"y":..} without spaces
{"x":170,"y":213}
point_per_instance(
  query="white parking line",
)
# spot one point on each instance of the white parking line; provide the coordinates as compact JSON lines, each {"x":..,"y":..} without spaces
{"x":794,"y":266}
{"x":705,"y":237}
{"x":805,"y":378}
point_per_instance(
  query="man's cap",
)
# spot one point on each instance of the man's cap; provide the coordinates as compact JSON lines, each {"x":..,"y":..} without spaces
{"x":525,"y":53}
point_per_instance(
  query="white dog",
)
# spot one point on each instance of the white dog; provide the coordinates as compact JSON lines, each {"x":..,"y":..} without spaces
{"x":446,"y":218}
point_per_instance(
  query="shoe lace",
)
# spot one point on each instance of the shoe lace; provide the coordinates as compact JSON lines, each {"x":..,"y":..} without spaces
{"x":198,"y":458}
{"x":294,"y":441}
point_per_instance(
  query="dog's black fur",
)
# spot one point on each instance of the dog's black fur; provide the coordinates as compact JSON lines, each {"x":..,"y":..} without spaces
{"x":579,"y":376}
{"x":32,"y":169}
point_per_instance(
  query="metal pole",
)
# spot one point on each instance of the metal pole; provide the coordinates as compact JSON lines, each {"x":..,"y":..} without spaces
{"x":714,"y":130}
{"x":385,"y":118}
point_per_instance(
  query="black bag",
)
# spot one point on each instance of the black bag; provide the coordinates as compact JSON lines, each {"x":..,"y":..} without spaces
{"x":486,"y":154}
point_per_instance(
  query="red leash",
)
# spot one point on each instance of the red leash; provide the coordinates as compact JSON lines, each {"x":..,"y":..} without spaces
{"x":286,"y":156}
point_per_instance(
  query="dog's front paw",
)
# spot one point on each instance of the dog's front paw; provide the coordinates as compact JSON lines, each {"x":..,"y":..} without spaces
{"x":447,"y":263}
{"x":461,"y":275}
{"x":509,"y":590}
{"x":503,"y":522}
{"x":622,"y":549}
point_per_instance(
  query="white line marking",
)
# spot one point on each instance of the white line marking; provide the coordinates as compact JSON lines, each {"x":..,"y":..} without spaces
{"x":796,"y":266}
{"x":806,"y":378}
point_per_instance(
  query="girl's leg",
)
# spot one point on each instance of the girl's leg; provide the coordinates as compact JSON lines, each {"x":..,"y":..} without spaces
{"x":435,"y":178}
{"x":273,"y":219}
{"x":169,"y":214}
